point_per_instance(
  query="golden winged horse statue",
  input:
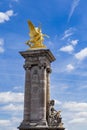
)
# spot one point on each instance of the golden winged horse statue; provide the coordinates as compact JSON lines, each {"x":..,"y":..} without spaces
{"x":36,"y":37}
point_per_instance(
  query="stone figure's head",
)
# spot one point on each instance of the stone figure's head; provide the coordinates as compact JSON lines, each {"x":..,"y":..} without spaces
{"x":52,"y":102}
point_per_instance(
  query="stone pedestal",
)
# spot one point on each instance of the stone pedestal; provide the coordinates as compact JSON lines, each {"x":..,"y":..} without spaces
{"x":42,"y":129}
{"x":37,"y":89}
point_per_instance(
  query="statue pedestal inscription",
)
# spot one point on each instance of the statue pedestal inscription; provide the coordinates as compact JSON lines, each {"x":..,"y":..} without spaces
{"x":37,"y":104}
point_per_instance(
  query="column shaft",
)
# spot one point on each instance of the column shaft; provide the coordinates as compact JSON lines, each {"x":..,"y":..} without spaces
{"x":43,"y":82}
{"x":27,"y":96}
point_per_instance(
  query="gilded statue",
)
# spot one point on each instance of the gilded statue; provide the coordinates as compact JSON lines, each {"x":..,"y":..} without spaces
{"x":36,"y":37}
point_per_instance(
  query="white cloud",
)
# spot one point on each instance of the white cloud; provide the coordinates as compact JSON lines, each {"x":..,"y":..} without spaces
{"x":74,"y":5}
{"x":12,"y":107}
{"x":1,"y":49}
{"x":68,"y":33}
{"x":81,"y":114}
{"x":5,"y":122}
{"x":78,"y":120}
{"x":57,"y":102}
{"x":10,"y":124}
{"x":1,"y":45}
{"x":9,"y":13}
{"x":5,"y":16}
{"x":12,"y":104}
{"x":75,"y":106}
{"x":68,"y":48}
{"x":6,"y":97}
{"x":70,"y":67}
{"x":74,"y":42}
{"x":82,"y":54}
{"x":75,"y":112}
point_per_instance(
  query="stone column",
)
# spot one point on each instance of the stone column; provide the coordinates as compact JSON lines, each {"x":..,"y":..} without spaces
{"x":48,"y":91}
{"x":27,"y":93}
{"x":43,"y":93}
{"x":37,"y":88}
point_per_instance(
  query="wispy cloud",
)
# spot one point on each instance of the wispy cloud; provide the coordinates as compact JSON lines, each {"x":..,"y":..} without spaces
{"x":68,"y":48}
{"x":74,"y":42}
{"x":5,"y":16}
{"x":1,"y":41}
{"x":73,"y":7}
{"x":82,"y":54}
{"x":11,"y":3}
{"x":67,"y":36}
{"x":15,"y":0}
{"x":1,"y":45}
{"x":69,"y":32}
{"x":17,"y":88}
{"x":70,"y":67}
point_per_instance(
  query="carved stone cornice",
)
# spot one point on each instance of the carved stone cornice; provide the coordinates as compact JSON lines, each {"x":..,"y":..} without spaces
{"x":42,"y":65}
{"x":38,"y":53}
{"x":27,"y":66}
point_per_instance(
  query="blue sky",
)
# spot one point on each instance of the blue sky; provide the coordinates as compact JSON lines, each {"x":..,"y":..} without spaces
{"x":65,"y":21}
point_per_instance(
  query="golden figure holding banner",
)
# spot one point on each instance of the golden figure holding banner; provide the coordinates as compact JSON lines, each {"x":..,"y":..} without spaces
{"x":36,"y":37}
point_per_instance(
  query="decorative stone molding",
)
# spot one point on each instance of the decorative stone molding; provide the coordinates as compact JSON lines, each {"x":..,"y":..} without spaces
{"x":27,"y":66}
{"x":49,"y":70}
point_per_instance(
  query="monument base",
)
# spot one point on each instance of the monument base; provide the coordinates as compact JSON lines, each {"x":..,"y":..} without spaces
{"x":42,"y":129}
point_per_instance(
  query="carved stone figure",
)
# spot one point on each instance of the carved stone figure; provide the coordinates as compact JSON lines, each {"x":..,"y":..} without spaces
{"x":54,"y":118}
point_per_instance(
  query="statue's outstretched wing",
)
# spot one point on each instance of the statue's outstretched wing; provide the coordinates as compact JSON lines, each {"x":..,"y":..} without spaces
{"x":33,"y":31}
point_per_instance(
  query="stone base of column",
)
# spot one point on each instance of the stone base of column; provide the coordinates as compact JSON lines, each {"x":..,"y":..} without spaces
{"x":31,"y":126}
{"x":41,"y":128}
